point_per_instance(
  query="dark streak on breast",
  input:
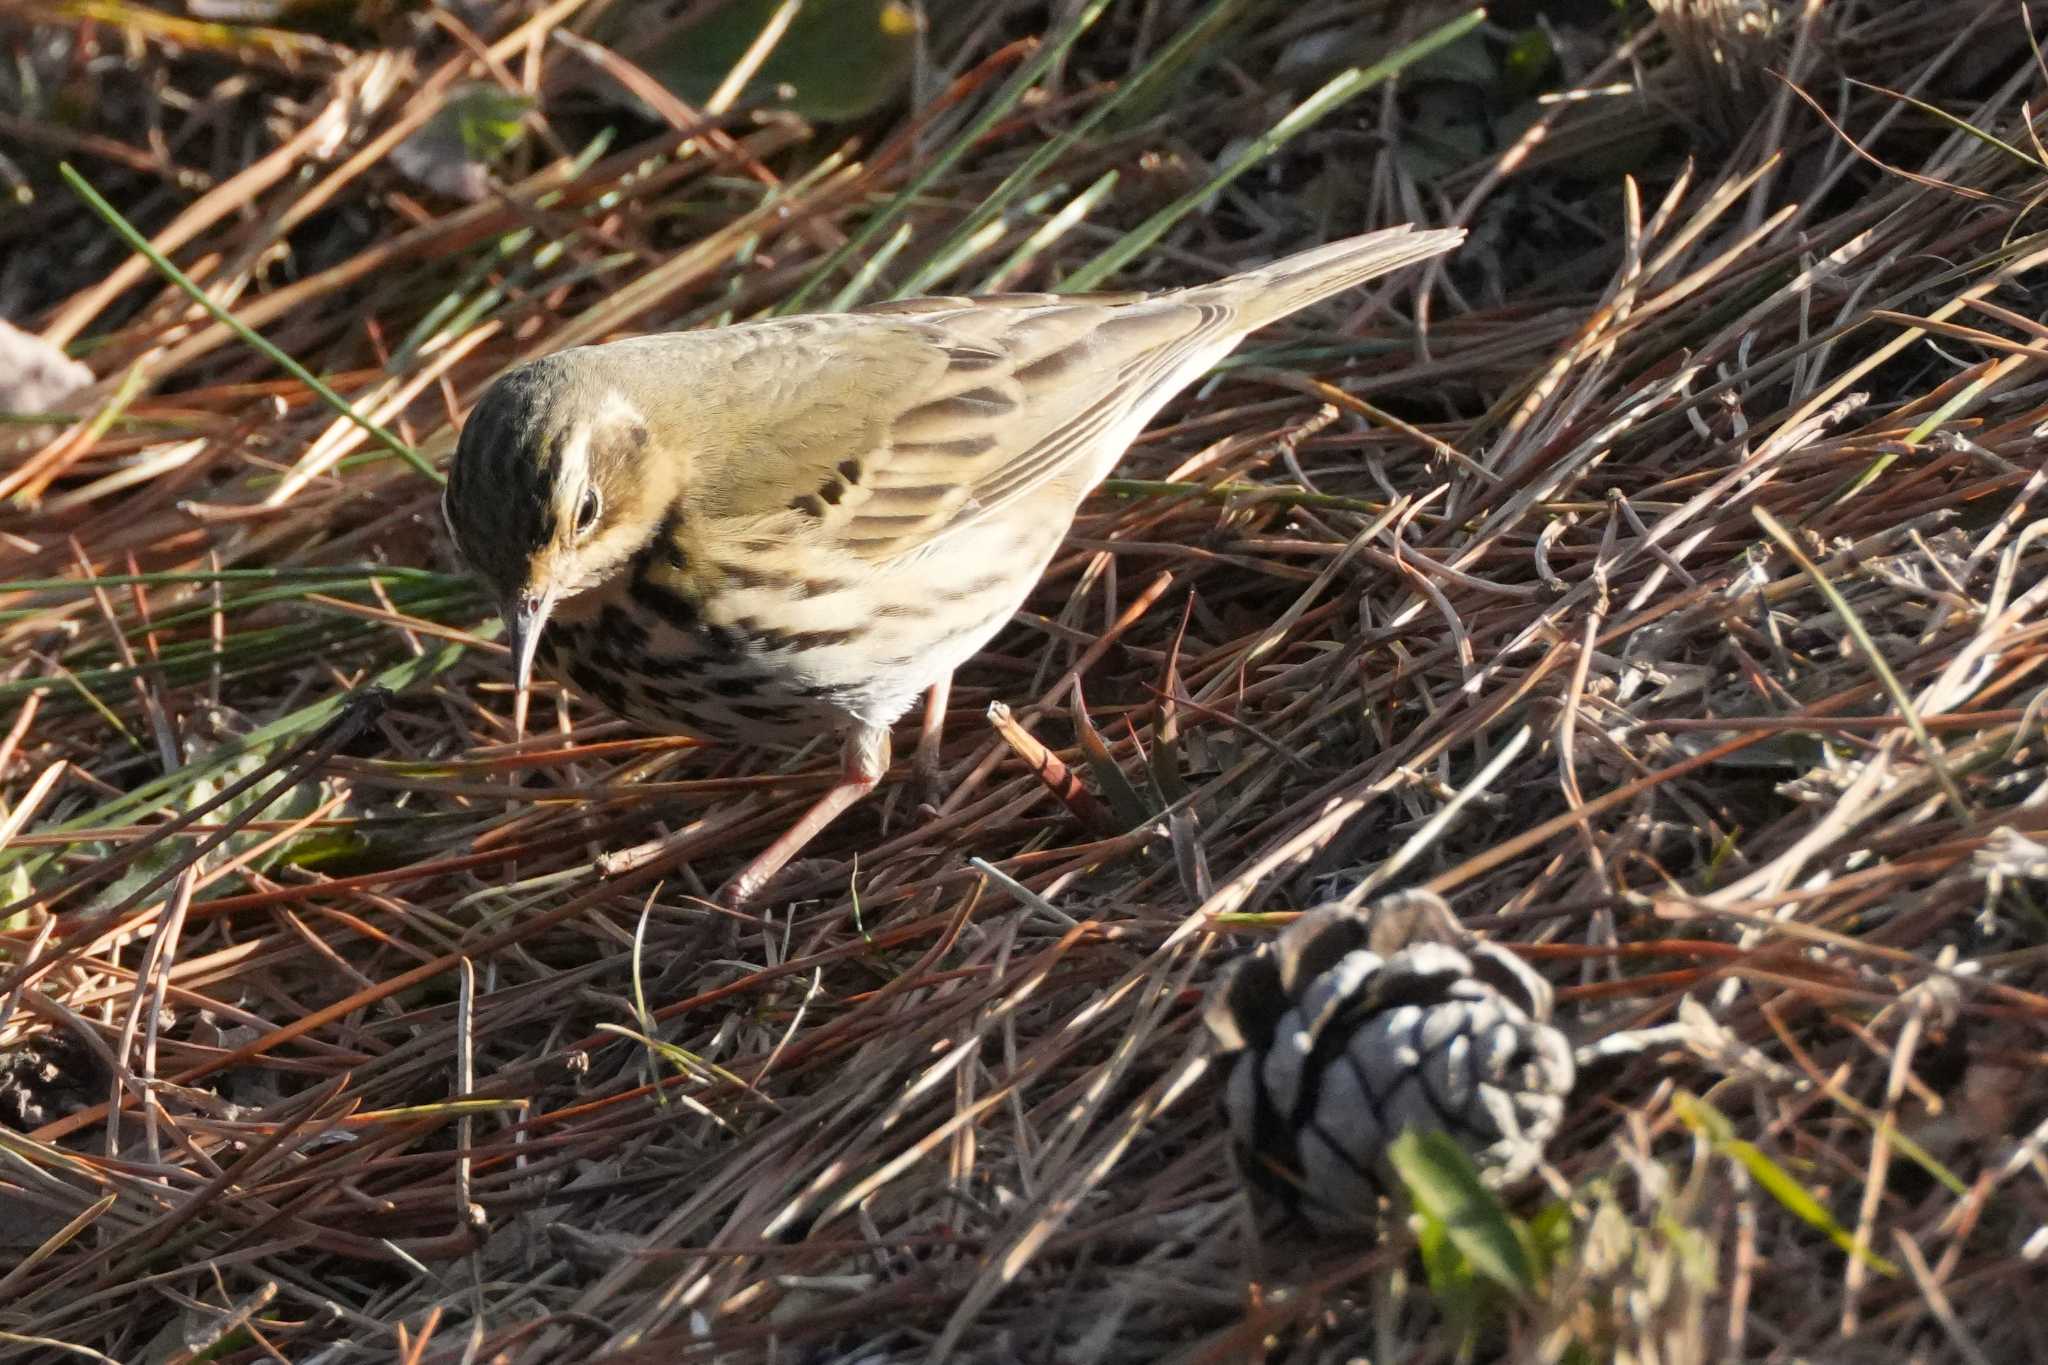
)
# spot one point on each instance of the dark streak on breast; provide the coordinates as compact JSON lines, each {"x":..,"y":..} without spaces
{"x":620,"y":629}
{"x":751,"y":576}
{"x":671,"y":606}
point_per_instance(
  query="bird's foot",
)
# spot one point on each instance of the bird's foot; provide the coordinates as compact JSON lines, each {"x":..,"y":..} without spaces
{"x":793,"y":875}
{"x":741,"y":889}
{"x":927,"y":784}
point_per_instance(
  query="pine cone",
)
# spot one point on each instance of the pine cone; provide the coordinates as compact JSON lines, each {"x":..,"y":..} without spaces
{"x":1351,"y":1027}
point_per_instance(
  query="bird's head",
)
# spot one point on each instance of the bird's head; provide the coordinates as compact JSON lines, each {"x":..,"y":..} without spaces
{"x":549,"y":494}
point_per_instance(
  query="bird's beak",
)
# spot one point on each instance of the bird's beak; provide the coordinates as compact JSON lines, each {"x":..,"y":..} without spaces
{"x":525,"y":617}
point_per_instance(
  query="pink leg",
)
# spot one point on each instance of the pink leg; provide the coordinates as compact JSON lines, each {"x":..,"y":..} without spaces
{"x":867,"y":758}
{"x":924,"y":765}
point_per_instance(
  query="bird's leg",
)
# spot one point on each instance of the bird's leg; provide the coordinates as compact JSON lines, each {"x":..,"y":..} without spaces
{"x":924,"y":765}
{"x":866,"y":759}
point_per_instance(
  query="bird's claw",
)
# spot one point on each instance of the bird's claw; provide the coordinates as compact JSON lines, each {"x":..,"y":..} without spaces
{"x":927,"y":783}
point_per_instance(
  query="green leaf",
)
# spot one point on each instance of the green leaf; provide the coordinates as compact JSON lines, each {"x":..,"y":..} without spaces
{"x":1449,"y":1272}
{"x":223,"y":764}
{"x":453,"y":152}
{"x":487,"y":119}
{"x":997,"y":108}
{"x":324,"y":848}
{"x":1446,"y":1188}
{"x":1776,"y":1181}
{"x":1528,"y":61}
{"x":171,"y":791}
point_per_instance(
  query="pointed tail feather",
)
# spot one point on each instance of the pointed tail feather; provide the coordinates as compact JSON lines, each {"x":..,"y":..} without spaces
{"x":1294,"y":282}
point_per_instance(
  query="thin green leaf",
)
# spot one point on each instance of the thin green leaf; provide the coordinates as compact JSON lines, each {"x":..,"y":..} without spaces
{"x":864,"y":278}
{"x":2030,"y":162}
{"x":1775,"y":1180}
{"x":1054,"y":228}
{"x":1189,"y":48}
{"x":171,"y":788}
{"x":1886,"y":678}
{"x":112,"y":217}
{"x":1338,"y":92}
{"x":999,"y":107}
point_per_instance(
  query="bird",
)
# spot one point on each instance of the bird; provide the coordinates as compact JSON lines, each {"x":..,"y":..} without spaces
{"x":781,"y":529}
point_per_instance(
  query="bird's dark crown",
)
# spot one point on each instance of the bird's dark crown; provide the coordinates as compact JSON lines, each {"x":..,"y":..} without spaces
{"x":501,"y":486}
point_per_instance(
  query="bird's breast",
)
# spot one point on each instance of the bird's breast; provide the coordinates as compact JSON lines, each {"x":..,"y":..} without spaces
{"x":671,"y":665}
{"x":779,"y":651}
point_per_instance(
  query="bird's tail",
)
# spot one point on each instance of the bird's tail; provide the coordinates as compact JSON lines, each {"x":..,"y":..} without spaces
{"x":1294,"y":282}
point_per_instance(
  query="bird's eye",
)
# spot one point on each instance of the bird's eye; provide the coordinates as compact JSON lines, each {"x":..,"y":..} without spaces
{"x":587,"y":514}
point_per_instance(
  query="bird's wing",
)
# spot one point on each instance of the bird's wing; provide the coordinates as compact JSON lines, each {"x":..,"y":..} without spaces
{"x":881,"y":432}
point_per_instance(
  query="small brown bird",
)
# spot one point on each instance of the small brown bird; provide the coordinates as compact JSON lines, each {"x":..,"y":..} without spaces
{"x":778,"y":529}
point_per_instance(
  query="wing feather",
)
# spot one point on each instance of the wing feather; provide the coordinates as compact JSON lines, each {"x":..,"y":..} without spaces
{"x":880,"y":432}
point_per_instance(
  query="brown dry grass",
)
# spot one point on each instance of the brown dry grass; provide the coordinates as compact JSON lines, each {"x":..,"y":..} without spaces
{"x":1661,"y":580}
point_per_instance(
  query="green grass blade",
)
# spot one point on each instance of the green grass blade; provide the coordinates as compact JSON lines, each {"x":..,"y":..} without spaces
{"x":164,"y":790}
{"x":1005,"y":99}
{"x":1054,"y":228}
{"x":1775,"y":1180}
{"x":1886,"y":678}
{"x":112,"y":217}
{"x":864,"y":278}
{"x":1339,"y":91}
{"x":1186,"y":47}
